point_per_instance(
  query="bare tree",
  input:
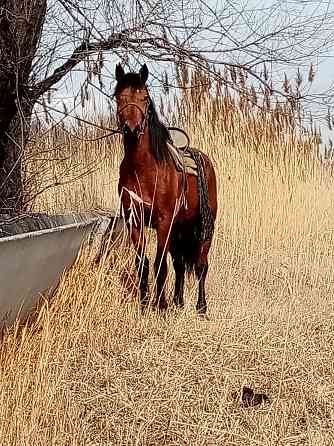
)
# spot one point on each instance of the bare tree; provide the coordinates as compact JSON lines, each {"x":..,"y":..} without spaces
{"x":44,"y":43}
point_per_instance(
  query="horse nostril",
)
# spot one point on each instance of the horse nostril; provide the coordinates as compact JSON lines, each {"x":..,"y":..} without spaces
{"x":129,"y":129}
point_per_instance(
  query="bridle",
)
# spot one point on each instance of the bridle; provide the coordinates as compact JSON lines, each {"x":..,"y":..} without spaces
{"x":145,"y":113}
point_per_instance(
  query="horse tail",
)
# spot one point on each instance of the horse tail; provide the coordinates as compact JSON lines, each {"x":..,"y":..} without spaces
{"x":185,"y":244}
{"x":186,"y":239}
{"x":206,"y":216}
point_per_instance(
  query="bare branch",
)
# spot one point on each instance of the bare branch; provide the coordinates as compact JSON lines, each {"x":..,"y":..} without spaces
{"x":79,"y":54}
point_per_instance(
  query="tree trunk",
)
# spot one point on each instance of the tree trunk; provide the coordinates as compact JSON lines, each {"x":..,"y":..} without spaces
{"x":21,"y":24}
{"x":12,"y":144}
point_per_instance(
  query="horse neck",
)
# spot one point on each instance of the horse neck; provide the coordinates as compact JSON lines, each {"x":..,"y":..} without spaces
{"x":138,"y":152}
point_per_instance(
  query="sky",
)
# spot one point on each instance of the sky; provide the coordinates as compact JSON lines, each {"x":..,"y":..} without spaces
{"x":262,"y":17}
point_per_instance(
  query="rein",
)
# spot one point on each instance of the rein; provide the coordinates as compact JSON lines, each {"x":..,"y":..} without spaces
{"x":145,"y":113}
{"x":111,"y":133}
{"x":119,"y":130}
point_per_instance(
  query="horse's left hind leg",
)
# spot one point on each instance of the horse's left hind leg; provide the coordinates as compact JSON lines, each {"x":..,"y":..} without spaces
{"x":179,"y":268}
{"x":201,"y":270}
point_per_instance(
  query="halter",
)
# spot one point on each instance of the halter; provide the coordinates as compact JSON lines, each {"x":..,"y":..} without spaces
{"x":144,"y":112}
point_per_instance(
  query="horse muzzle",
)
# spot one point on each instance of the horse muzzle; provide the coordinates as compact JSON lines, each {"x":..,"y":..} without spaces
{"x":131,"y":130}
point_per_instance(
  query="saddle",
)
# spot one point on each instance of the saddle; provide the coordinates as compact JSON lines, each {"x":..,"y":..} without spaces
{"x":181,"y":152}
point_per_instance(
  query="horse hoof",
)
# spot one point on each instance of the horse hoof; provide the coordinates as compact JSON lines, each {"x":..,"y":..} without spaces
{"x":203,"y":317}
{"x":163,"y":308}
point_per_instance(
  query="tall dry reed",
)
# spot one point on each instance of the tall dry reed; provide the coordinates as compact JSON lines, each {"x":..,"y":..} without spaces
{"x":93,"y":371}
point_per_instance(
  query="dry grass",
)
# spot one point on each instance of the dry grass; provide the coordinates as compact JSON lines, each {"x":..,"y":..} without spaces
{"x":93,"y":371}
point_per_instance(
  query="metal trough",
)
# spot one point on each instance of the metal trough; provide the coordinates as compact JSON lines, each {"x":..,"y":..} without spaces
{"x":32,"y":263}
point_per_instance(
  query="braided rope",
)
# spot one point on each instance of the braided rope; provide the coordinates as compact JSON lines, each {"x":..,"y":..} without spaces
{"x":206,"y":215}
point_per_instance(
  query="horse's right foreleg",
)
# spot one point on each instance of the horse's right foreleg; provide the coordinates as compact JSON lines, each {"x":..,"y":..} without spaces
{"x":142,"y":263}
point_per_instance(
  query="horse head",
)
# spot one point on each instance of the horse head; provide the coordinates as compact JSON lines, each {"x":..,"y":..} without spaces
{"x":132,"y":101}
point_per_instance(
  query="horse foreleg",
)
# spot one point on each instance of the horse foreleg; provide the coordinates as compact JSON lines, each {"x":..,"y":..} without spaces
{"x":142,"y":263}
{"x":201,"y":270}
{"x":160,"y":265}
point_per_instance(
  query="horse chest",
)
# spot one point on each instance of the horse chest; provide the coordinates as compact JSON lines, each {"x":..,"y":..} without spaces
{"x":149,"y":195}
{"x":138,"y":207}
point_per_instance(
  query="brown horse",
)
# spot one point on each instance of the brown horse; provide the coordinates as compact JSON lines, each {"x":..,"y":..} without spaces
{"x":181,"y":208}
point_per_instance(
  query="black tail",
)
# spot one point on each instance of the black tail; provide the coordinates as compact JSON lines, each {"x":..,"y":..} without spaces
{"x":185,"y":243}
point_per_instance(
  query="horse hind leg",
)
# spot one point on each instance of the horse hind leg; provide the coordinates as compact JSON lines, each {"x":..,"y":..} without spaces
{"x":201,"y":270}
{"x":179,"y":267}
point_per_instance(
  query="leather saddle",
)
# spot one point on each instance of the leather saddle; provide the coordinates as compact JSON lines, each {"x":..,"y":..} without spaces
{"x":181,"y":152}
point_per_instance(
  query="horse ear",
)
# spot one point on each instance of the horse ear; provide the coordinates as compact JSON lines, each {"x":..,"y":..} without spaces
{"x":119,"y":72}
{"x":143,"y":73}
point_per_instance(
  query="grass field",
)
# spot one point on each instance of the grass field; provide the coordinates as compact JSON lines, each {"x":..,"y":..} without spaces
{"x":93,"y":371}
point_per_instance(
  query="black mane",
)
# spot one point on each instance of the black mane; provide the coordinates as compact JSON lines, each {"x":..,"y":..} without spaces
{"x":159,"y":134}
